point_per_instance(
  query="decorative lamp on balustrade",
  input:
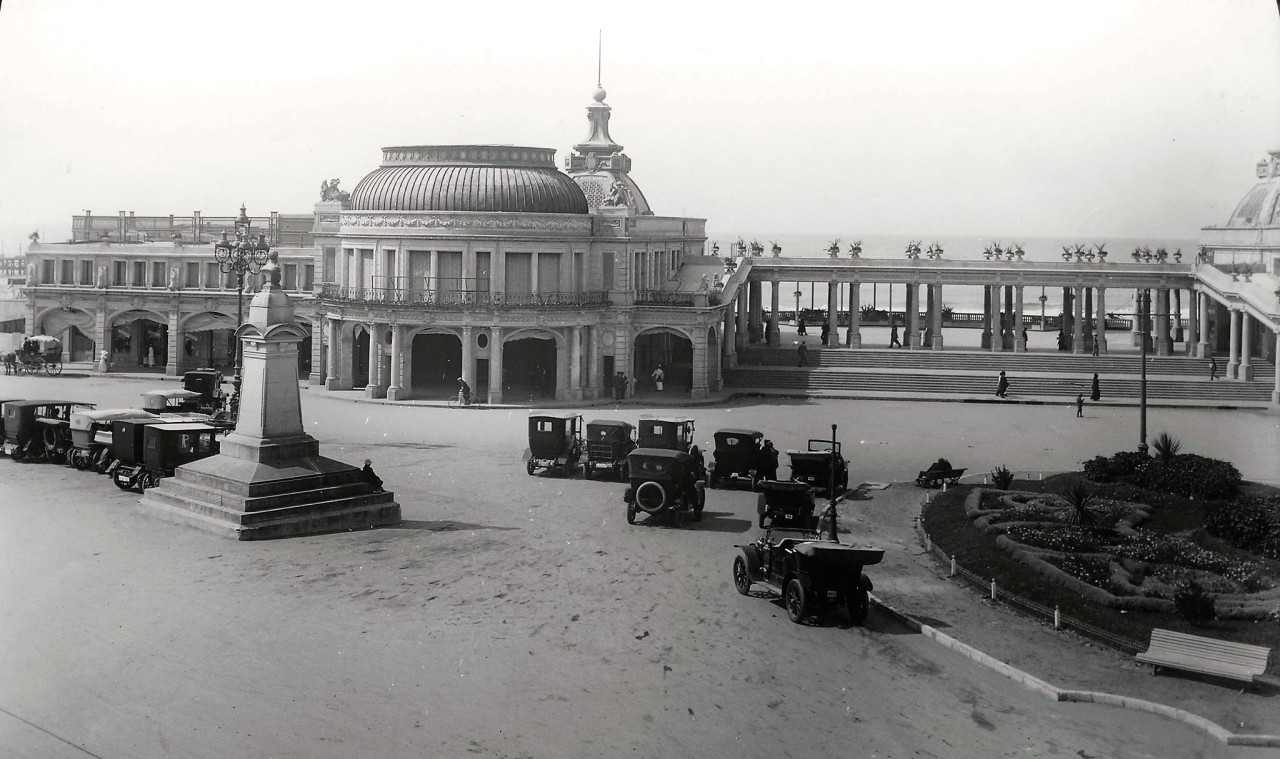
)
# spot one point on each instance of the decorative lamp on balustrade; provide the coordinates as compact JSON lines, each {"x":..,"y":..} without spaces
{"x":775,"y":248}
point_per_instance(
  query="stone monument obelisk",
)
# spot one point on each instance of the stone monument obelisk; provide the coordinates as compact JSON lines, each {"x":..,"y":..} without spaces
{"x":269,"y":479}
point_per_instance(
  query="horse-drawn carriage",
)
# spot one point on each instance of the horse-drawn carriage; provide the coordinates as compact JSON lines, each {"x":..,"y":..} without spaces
{"x":40,"y":354}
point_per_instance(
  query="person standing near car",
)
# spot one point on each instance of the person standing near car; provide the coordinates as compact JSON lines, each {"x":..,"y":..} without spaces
{"x":658,"y":376}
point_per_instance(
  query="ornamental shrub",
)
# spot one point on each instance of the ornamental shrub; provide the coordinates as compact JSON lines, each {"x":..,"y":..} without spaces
{"x":1001,"y":477}
{"x":1250,"y":523}
{"x":1191,"y":476}
{"x":1194,"y":603}
{"x":1120,"y":465}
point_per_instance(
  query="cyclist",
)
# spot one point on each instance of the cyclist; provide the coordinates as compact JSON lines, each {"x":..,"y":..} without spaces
{"x":464,"y":392}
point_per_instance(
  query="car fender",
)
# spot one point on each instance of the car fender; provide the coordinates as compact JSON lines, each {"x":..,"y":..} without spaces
{"x":752,"y":555}
{"x":864,"y":583}
{"x":629,"y":496}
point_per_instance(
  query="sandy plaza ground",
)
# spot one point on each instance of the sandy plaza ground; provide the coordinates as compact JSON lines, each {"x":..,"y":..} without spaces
{"x":518,"y":616}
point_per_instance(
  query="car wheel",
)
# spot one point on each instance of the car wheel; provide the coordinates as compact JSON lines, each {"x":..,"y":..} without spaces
{"x":712,"y":478}
{"x":124,"y":483}
{"x":651,"y":497}
{"x":741,"y":575}
{"x":795,"y":600}
{"x":102,"y":462}
{"x":631,"y":514}
{"x":530,"y":467}
{"x":36,"y":451}
{"x":79,"y":459}
{"x":859,"y":604}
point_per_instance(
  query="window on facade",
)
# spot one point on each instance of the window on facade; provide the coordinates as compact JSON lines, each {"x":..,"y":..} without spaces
{"x":549,"y":272}
{"x":139,"y":274}
{"x":67,"y":272}
{"x":309,"y":277}
{"x":482,"y":272}
{"x":519,"y":270}
{"x":290,"y":279}
{"x":46,"y":272}
{"x":211,"y":276}
{"x":192,"y":274}
{"x":120,"y":273}
{"x":86,"y":272}
{"x":159,"y":277}
{"x":330,"y":265}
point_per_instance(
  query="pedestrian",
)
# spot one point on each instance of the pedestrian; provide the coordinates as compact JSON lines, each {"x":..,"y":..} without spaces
{"x":631,"y":385}
{"x":894,"y":342}
{"x":464,"y":392}
{"x":368,"y":476}
{"x":151,"y":355}
{"x":103,"y":362}
{"x":801,"y":330}
{"x":619,"y":386}
{"x":826,"y":331}
{"x":1080,"y":405}
{"x":1213,"y":367}
{"x":1024,"y":338}
{"x":658,"y":376}
{"x":1095,"y":346}
{"x":769,"y":461}
{"x":1096,"y":395}
{"x":802,"y":352}
{"x":1002,"y":387}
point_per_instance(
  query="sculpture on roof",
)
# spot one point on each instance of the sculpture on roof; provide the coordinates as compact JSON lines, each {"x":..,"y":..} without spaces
{"x":329,"y":191}
{"x":617,"y":195}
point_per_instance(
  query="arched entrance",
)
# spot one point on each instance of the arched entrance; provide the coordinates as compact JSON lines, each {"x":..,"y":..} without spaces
{"x":669,"y":348}
{"x":208,"y":340}
{"x":72,"y":326}
{"x":139,"y":339}
{"x":360,"y":357}
{"x":436,"y":365}
{"x":529,"y":368}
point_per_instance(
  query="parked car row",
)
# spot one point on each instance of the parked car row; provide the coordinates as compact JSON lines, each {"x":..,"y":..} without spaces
{"x":136,"y":447}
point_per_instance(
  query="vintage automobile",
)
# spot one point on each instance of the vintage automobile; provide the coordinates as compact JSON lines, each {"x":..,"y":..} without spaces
{"x":813,"y":467}
{"x":737,"y":457}
{"x":171,"y":401}
{"x":671,"y":433}
{"x":811,"y":573}
{"x":785,"y":504}
{"x":608,"y":443}
{"x":208,"y":383}
{"x":40,"y":354}
{"x":39,"y":430}
{"x":91,"y":436}
{"x":2,"y":402}
{"x":153,"y":448}
{"x":664,"y":482}
{"x":555,"y":443}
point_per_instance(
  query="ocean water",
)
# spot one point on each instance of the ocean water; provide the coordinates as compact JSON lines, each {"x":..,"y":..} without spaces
{"x":959,"y":298}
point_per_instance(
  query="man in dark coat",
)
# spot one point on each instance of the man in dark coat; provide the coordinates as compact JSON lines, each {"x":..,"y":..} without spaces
{"x":1002,"y":387}
{"x":368,"y":476}
{"x":1097,"y":389}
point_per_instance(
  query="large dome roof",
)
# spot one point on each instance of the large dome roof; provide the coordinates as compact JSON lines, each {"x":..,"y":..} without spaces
{"x":493,"y":178}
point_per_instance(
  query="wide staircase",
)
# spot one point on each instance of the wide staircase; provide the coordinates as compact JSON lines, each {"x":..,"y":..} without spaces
{"x":1044,"y":376}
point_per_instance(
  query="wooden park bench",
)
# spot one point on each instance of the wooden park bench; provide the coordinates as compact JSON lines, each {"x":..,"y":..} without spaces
{"x":1210,"y":656}
{"x":934,"y":478}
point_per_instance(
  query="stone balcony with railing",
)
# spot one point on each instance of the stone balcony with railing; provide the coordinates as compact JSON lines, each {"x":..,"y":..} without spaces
{"x":462,"y":300}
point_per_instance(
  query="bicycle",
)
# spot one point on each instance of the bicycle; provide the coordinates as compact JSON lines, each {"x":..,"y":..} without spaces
{"x":458,"y":401}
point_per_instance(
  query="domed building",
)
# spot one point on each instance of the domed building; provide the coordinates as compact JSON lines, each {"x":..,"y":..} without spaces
{"x":488,"y":263}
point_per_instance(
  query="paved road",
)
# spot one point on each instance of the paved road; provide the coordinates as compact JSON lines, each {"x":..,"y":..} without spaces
{"x":509,"y":616}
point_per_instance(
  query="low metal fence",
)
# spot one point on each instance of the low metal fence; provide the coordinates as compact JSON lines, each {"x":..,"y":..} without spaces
{"x":992,"y":590}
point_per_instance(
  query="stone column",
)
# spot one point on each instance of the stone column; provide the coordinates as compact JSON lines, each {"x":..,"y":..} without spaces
{"x":318,"y":331}
{"x":698,"y":383}
{"x":1163,"y":345}
{"x":1137,"y":319}
{"x":495,"y":365}
{"x":772,"y":334}
{"x":331,"y":363}
{"x":1007,"y":338}
{"x":1088,"y":316}
{"x":986,"y":316}
{"x":741,"y":301}
{"x":993,"y":318}
{"x":937,"y":319}
{"x":1019,"y":341}
{"x":1203,"y":349}
{"x":930,"y":304}
{"x":375,"y":362}
{"x":912,"y":328}
{"x":853,"y":339}
{"x":755,"y":316}
{"x":833,"y":304}
{"x":575,"y":364}
{"x":1233,"y":360}
{"x":730,"y":335}
{"x":593,"y":362}
{"x":1100,"y":334}
{"x":395,"y":390}
{"x":101,"y":332}
{"x":1178,"y":335}
{"x":1077,"y":321}
{"x":1193,"y":322}
{"x":173,"y":364}
{"x":1275,"y":391}
{"x":1246,"y":340}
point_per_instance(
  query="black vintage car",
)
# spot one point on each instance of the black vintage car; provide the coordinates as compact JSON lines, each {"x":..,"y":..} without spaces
{"x":208,"y":383}
{"x":813,"y":467}
{"x":2,"y":402}
{"x":153,"y":449}
{"x":812,"y":574}
{"x":555,"y":443}
{"x":91,"y":436}
{"x":667,"y":432}
{"x":664,"y":482}
{"x":39,"y":430}
{"x":738,"y":456}
{"x":608,"y":443}
{"x":785,"y":504}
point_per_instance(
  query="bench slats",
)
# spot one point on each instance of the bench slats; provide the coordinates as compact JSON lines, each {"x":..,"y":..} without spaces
{"x":1194,"y":653}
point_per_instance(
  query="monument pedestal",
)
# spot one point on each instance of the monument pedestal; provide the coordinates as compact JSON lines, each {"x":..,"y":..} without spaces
{"x":268,"y":479}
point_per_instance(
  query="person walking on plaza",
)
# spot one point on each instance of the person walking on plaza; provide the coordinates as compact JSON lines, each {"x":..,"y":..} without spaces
{"x":802,"y":352}
{"x":1095,"y":346}
{"x":103,"y":362}
{"x":826,"y":332}
{"x":1002,"y":387}
{"x":1080,"y":405}
{"x":1096,"y":394}
{"x":631,"y":386}
{"x":658,"y":376}
{"x":801,"y":330}
{"x":1213,"y":367}
{"x":894,"y":342}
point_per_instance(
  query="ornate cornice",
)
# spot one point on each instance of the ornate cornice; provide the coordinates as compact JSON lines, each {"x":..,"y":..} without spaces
{"x":363,"y":221}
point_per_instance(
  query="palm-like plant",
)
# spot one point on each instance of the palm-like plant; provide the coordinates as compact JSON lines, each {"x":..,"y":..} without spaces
{"x":1001,"y":477}
{"x":1167,"y":446}
{"x":1079,"y":499}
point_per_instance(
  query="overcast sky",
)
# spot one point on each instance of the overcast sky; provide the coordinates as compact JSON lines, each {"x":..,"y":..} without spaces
{"x":1116,"y":118}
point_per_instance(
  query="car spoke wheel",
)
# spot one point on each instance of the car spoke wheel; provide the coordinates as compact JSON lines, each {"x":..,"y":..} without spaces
{"x":741,"y":575}
{"x":795,"y":600}
{"x":53,"y":369}
{"x":859,"y":604}
{"x":79,"y":459}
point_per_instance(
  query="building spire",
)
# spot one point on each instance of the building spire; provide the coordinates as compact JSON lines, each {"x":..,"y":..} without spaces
{"x":599,"y":55}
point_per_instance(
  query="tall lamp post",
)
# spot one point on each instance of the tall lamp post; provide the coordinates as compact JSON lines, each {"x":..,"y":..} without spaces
{"x":798,"y":294}
{"x":1143,"y":309}
{"x":243,"y":255}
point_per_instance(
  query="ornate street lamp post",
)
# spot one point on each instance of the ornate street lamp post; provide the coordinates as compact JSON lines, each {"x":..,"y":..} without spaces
{"x":798,"y":294}
{"x":240,"y":256}
{"x":1144,"y":310}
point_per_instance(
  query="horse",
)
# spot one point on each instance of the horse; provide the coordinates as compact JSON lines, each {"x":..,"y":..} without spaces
{"x":10,"y":361}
